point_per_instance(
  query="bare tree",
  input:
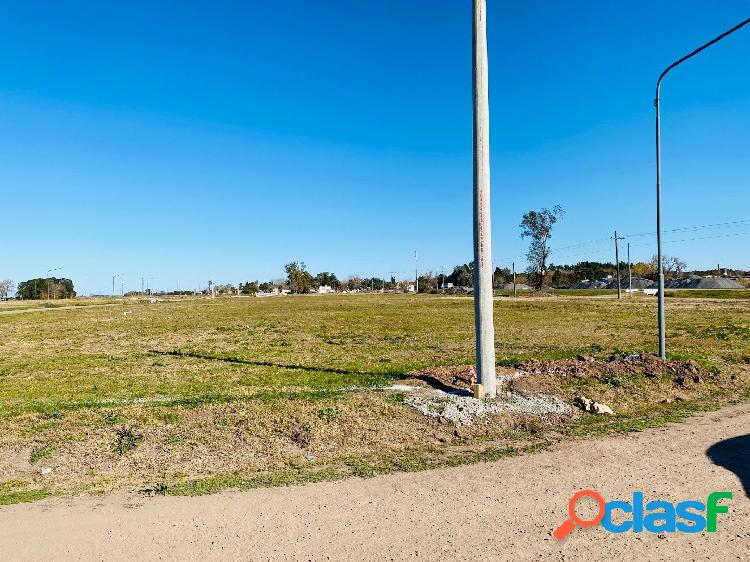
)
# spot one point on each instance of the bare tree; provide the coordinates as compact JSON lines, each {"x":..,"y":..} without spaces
{"x":537,"y":225}
{"x":672,"y":265}
{"x":6,"y":287}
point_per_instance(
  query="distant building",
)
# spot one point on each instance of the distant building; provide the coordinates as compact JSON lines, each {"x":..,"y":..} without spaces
{"x":325,"y":289}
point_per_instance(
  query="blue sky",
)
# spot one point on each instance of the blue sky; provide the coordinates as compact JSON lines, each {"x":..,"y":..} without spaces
{"x":183,"y":141}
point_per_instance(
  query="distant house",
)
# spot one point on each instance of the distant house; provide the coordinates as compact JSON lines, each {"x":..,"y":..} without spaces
{"x":325,"y":289}
{"x":410,"y":288}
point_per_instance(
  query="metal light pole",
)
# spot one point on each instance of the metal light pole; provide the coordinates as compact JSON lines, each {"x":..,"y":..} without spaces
{"x":484,"y":328}
{"x":660,"y":267}
{"x":47,"y":278}
{"x":113,"y":283}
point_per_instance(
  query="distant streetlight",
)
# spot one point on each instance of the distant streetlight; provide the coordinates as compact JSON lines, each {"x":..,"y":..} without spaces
{"x":47,"y":277}
{"x":113,"y":283}
{"x":660,"y":266}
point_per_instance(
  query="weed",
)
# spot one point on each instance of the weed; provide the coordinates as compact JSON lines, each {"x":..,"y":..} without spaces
{"x":126,"y":439}
{"x":303,"y":435}
{"x":42,"y":452}
{"x":329,"y":414}
{"x":111,"y":418}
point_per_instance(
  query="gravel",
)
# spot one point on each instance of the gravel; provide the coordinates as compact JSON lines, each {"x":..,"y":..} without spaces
{"x":467,"y":410}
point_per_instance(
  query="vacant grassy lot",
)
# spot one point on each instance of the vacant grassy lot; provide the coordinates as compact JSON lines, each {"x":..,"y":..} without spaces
{"x":193,"y":395}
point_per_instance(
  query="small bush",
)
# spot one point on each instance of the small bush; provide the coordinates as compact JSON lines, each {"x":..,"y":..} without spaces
{"x":126,"y":440}
{"x":39,"y":453}
{"x":111,"y":418}
{"x":329,"y":414}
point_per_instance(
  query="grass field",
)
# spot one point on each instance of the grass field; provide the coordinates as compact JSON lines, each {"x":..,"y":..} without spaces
{"x":194,"y":395}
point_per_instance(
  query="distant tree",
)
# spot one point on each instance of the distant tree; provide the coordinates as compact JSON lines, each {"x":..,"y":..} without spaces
{"x":249,"y":287}
{"x":326,"y":279}
{"x":427,"y":283}
{"x":672,"y":265}
{"x":6,"y":288}
{"x":501,"y":276}
{"x":645,"y":270}
{"x":300,"y":280}
{"x":354,"y":282}
{"x":225,"y":289}
{"x":266,"y":286}
{"x":50,"y":287}
{"x":462,"y":275}
{"x":537,"y":225}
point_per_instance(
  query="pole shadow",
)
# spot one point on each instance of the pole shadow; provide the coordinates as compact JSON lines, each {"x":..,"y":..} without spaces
{"x":394,"y":374}
{"x":734,"y":455}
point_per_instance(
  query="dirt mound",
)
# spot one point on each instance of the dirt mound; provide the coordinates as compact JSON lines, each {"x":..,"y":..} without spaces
{"x":616,"y":365}
{"x":531,"y":374}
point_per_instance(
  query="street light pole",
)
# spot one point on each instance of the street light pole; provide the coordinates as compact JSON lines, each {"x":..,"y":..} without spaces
{"x":660,"y":267}
{"x":484,"y":328}
{"x":47,"y":278}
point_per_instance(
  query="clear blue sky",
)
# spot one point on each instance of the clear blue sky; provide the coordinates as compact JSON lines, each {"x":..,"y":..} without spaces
{"x":194,"y":140}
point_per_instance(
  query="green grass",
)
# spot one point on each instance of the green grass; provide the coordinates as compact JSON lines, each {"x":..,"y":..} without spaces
{"x":40,"y":453}
{"x":279,"y":377}
{"x":708,"y":293}
{"x":413,"y":460}
{"x":14,"y":491}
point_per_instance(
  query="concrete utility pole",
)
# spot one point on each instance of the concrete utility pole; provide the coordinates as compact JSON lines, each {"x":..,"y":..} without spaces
{"x":660,"y":265}
{"x":484,"y":328}
{"x":514,"y":279}
{"x":630,"y":274}
{"x":617,"y":262}
{"x":416,"y":272}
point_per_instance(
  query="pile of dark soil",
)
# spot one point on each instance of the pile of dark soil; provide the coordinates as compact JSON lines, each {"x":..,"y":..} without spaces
{"x":680,"y":371}
{"x":548,"y":376}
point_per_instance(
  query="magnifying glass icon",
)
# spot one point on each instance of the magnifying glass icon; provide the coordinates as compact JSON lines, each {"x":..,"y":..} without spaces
{"x":569,"y":524}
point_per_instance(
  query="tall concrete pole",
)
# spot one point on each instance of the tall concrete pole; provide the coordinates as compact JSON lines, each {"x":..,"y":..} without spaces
{"x":416,"y":272}
{"x":617,"y":264}
{"x":630,"y":273}
{"x":484,"y":328}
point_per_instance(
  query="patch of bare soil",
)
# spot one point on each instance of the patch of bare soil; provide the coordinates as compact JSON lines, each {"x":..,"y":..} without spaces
{"x":620,"y":381}
{"x":550,"y":374}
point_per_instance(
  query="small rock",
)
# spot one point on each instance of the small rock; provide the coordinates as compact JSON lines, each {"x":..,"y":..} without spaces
{"x":46,"y":471}
{"x":588,"y":405}
{"x":310,"y":457}
{"x":602,"y":409}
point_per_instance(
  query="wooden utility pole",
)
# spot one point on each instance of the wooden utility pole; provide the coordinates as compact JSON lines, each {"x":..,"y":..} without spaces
{"x":514,"y":279}
{"x":483,"y":321}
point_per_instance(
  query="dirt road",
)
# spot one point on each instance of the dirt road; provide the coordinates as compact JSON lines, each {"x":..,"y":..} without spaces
{"x":497,"y":511}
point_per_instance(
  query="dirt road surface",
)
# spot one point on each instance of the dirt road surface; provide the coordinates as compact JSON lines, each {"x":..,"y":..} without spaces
{"x":503,"y":510}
